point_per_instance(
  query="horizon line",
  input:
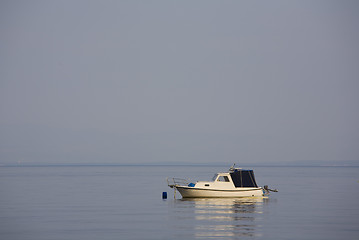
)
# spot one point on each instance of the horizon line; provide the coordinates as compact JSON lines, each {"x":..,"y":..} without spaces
{"x":172,"y":164}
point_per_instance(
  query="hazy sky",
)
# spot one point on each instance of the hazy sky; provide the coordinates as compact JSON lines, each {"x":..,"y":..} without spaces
{"x":179,"y":81}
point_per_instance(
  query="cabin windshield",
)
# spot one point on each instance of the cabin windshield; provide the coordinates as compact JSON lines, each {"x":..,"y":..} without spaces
{"x":214,"y":177}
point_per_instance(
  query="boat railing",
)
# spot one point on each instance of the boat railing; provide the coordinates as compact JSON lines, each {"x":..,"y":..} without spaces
{"x":173,"y":182}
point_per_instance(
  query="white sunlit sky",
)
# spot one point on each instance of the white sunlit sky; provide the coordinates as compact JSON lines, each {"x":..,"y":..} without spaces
{"x":177,"y":82}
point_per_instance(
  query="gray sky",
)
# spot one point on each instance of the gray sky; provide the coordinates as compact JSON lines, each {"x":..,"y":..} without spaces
{"x":179,"y":81}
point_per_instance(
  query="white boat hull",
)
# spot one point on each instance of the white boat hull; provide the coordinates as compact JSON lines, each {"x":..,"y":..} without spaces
{"x":193,"y":192}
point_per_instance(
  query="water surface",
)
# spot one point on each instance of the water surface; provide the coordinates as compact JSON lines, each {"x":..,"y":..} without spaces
{"x":124,"y":202}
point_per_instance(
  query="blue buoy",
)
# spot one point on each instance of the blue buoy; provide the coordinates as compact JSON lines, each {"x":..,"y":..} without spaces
{"x":164,"y":195}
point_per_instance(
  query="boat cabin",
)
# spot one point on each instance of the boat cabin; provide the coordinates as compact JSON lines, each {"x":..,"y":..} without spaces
{"x":235,"y":178}
{"x":239,"y":178}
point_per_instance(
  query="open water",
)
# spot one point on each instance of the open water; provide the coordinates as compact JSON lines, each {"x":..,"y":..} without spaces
{"x":125,"y":202}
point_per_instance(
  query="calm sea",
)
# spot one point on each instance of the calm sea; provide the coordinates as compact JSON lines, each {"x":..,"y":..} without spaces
{"x":125,"y":202}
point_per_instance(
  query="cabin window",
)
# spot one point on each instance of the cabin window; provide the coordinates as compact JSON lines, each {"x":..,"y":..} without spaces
{"x":243,"y":178}
{"x":223,"y":179}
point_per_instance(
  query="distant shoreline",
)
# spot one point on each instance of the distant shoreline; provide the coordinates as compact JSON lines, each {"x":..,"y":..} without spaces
{"x":170,"y":165}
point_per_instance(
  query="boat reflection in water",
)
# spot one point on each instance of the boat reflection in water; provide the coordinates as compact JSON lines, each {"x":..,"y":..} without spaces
{"x":226,"y":218}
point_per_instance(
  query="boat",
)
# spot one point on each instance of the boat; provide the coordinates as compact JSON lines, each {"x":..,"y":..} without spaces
{"x":237,"y":182}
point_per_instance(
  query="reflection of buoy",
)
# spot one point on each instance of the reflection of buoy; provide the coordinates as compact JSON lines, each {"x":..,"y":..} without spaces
{"x":164,"y":195}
